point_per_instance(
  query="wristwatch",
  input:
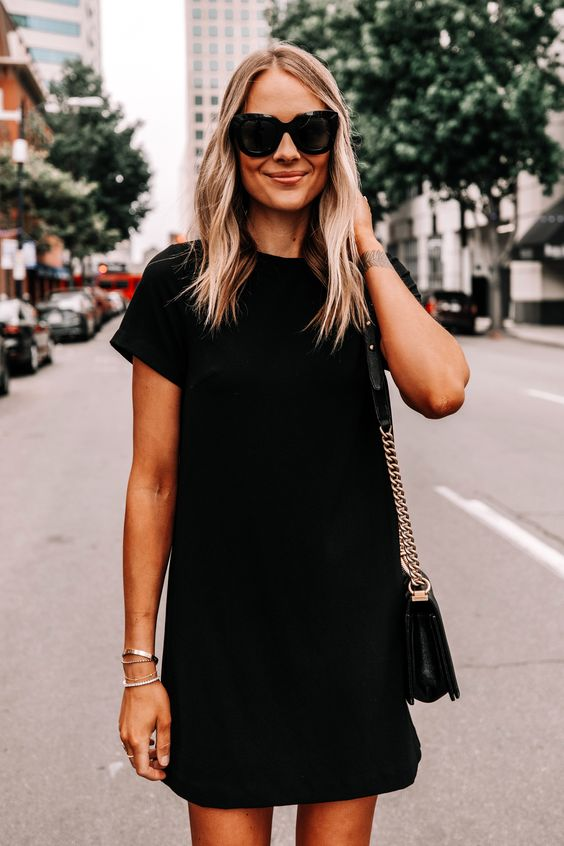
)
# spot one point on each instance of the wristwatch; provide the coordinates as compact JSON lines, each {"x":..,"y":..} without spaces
{"x":375,"y":258}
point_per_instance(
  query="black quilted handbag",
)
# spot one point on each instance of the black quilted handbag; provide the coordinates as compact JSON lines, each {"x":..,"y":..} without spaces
{"x":429,"y":671}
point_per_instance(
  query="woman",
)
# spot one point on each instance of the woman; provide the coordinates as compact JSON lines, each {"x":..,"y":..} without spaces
{"x":257,"y":458}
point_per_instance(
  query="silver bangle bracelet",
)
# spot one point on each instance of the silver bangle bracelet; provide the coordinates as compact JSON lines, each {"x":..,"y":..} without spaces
{"x":141,"y":683}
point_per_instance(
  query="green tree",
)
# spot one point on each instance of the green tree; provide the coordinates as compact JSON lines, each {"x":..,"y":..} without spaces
{"x":97,"y":145}
{"x":55,"y":203}
{"x":454,"y":93}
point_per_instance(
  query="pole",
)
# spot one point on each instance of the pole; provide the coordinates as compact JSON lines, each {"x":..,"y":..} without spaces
{"x":18,"y":280}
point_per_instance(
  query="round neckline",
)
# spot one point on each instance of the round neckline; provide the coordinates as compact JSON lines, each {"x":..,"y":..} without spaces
{"x":279,"y":258}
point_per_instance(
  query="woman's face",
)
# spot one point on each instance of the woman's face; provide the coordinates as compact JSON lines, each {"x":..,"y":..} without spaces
{"x":276,"y":92}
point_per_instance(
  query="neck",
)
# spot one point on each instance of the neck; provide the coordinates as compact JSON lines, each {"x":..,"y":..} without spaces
{"x":278,"y":232}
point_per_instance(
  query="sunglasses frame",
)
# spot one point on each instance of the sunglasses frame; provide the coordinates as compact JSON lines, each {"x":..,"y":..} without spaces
{"x":291,"y":126}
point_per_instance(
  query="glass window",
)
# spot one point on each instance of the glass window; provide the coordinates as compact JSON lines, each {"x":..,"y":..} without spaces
{"x":229,"y":64}
{"x":198,"y":82}
{"x":212,"y":30}
{"x":229,"y":49}
{"x":214,"y":100}
{"x":47,"y":24}
{"x":244,"y":14}
{"x":214,"y":64}
{"x":260,"y":15}
{"x":196,"y":13}
{"x":214,"y":82}
{"x":197,"y":30}
{"x":228,"y":14}
{"x":212,"y":14}
{"x":228,"y":30}
{"x":199,"y":151}
{"x":214,"y":49}
{"x":245,"y":31}
{"x":197,"y":64}
{"x":262,"y":31}
{"x":52,"y":57}
{"x":246,"y":48}
{"x":199,"y":117}
{"x":197,"y":47}
{"x":198,"y":100}
{"x":199,"y":134}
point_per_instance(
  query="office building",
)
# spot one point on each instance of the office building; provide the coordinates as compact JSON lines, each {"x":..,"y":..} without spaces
{"x":219,"y":34}
{"x":56,"y":30}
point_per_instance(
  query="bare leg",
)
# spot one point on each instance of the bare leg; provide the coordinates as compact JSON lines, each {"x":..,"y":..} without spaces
{"x":229,"y":826}
{"x":346,"y":823}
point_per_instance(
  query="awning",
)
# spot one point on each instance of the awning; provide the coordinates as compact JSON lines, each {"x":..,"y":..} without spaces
{"x":545,"y":239}
{"x":46,"y":271}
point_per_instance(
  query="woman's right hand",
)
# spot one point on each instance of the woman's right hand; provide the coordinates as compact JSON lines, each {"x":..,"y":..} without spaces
{"x":144,"y":709}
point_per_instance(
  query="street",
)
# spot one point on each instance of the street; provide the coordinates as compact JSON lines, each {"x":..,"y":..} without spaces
{"x":491,"y":768}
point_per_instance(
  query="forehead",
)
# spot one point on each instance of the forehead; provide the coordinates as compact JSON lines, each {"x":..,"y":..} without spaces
{"x":279,"y":93}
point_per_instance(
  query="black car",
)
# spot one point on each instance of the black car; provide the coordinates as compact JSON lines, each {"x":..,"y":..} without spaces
{"x":70,"y":314}
{"x":4,"y":368}
{"x":26,"y":336}
{"x":454,"y":310}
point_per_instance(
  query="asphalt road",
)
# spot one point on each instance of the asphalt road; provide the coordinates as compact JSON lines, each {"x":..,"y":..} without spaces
{"x":486,"y":493}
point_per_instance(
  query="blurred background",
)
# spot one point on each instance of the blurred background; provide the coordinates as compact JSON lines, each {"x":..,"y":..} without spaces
{"x":457,"y":111}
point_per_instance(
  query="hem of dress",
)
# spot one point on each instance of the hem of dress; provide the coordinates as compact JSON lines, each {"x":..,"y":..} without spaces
{"x":397,"y":781}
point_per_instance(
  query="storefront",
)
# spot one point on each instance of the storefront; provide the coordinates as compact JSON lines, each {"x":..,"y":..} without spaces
{"x":537,"y":270}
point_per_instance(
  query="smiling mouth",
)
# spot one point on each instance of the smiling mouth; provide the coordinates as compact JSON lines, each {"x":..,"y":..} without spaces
{"x":288,"y":180}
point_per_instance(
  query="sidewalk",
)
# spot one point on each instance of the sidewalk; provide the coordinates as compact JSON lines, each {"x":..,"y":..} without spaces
{"x":551,"y":335}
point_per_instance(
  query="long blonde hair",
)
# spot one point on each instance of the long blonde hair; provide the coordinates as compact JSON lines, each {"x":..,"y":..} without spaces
{"x":227,"y":252}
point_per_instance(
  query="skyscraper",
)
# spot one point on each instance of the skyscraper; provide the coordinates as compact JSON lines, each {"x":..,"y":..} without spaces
{"x":56,"y":30}
{"x":219,"y":34}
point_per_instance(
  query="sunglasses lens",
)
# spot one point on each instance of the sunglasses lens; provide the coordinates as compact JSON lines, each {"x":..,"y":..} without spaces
{"x":316,"y":134}
{"x":258,"y":136}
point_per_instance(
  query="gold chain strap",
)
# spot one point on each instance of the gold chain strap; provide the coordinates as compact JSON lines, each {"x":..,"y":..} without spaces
{"x":419,"y":585}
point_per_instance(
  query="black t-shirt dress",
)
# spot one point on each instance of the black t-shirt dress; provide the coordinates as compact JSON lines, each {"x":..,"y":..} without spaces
{"x":283,"y":652}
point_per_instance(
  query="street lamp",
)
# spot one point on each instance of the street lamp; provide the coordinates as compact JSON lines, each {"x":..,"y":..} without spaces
{"x":19,"y":157}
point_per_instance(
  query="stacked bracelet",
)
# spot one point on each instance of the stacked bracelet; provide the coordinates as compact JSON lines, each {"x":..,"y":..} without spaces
{"x":145,"y":658}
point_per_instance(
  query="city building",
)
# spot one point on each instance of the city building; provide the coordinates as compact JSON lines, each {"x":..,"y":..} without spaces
{"x":219,"y":34}
{"x":20,"y":91}
{"x":57,"y":30}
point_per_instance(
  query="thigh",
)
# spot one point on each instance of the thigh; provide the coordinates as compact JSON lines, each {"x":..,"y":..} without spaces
{"x":229,"y":826}
{"x":346,"y":823}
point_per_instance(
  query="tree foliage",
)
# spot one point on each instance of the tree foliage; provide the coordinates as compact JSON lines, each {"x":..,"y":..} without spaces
{"x":55,"y":203}
{"x":456,"y":92}
{"x":97,"y":145}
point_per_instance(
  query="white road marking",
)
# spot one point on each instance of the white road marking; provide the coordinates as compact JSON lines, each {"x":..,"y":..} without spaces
{"x":544,"y":553}
{"x":545,"y":395}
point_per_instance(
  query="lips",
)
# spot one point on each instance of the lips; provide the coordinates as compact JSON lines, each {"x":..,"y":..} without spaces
{"x":287,"y":178}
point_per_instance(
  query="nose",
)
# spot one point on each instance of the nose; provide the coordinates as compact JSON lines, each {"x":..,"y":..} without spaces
{"x":286,"y":149}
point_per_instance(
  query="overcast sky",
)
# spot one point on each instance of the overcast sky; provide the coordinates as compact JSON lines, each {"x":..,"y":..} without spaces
{"x":143,"y":64}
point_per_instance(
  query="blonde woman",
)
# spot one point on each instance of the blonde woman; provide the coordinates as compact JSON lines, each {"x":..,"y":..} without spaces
{"x":258,"y":464}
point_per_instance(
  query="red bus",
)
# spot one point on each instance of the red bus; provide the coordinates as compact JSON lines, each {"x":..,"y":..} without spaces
{"x":116,"y":277}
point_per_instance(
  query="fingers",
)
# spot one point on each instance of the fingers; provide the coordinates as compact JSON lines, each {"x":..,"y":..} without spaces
{"x":163,"y":741}
{"x":144,"y":759}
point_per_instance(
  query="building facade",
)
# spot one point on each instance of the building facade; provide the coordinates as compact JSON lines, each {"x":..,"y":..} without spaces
{"x":219,"y":34}
{"x":57,"y":30}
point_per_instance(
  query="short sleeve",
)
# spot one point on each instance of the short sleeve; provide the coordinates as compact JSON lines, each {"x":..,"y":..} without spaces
{"x":409,"y":283}
{"x":154,"y":326}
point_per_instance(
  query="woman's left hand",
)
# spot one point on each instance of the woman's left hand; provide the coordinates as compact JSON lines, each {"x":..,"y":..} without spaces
{"x":363,"y":226}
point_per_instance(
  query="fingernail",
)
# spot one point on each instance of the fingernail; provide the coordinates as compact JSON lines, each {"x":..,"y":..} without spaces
{"x":164,"y":760}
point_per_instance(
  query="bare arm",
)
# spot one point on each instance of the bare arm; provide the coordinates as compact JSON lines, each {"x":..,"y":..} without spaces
{"x":147,"y":539}
{"x":425,"y":360}
{"x":150,"y":501}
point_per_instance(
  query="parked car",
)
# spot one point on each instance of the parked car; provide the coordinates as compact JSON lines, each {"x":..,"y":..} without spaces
{"x":118,"y":302}
{"x":70,"y":314}
{"x":26,"y":335}
{"x":98,"y":304}
{"x":454,"y":310}
{"x":4,"y":367}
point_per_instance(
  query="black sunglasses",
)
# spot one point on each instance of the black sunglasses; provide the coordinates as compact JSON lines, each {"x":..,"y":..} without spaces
{"x":259,"y":135}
